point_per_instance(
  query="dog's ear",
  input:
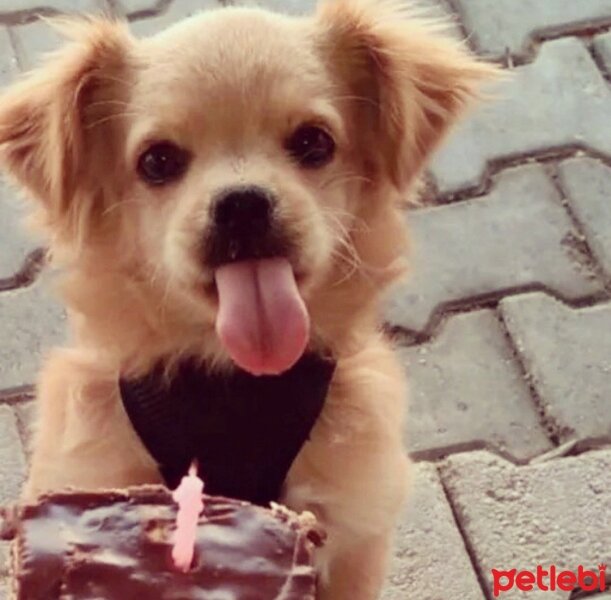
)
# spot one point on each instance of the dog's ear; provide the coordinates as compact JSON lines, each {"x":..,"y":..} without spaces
{"x":46,"y":118}
{"x":409,"y":80}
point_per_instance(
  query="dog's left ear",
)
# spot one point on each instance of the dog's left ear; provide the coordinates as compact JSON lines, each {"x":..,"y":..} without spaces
{"x":409,"y":82}
{"x":45,"y":142}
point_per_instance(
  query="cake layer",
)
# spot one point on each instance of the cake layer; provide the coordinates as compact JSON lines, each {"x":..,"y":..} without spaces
{"x":117,"y":546}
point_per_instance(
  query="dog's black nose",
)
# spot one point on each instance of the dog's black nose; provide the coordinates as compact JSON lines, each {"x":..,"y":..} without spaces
{"x":244,"y":227}
{"x":244,"y":211}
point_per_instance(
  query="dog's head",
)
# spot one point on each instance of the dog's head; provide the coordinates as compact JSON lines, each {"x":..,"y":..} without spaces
{"x":241,"y":169}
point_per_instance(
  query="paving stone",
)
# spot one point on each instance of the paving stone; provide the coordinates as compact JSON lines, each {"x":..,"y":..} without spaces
{"x":32,"y":321}
{"x":441,"y":10}
{"x":602,"y":47}
{"x":466,"y":387}
{"x":305,"y":7}
{"x":497,"y":25}
{"x":134,"y":7}
{"x":26,"y":417}
{"x":290,"y":7}
{"x":513,"y":237}
{"x":12,"y":460}
{"x":65,"y":6}
{"x":568,"y":354}
{"x":8,"y":61}
{"x":4,"y":590}
{"x":587,"y":183}
{"x":178,"y":10}
{"x":15,"y":243}
{"x":427,"y":538}
{"x":33,"y":41}
{"x":182,"y":8}
{"x":541,"y":108}
{"x":554,"y":513}
{"x":4,"y":558}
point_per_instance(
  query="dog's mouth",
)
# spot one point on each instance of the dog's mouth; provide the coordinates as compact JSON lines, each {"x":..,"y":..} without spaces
{"x":262,"y":320}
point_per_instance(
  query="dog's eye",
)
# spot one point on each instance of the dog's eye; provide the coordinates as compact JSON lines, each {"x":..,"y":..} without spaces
{"x":162,"y":162}
{"x":311,"y":146}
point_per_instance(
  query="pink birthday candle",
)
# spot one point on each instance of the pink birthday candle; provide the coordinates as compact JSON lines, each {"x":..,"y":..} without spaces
{"x":189,"y":496}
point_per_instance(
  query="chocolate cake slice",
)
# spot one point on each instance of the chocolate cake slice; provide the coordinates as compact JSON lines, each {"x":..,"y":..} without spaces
{"x":117,"y":546}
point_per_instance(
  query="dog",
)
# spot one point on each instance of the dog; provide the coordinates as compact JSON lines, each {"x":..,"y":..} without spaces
{"x":228,"y":194}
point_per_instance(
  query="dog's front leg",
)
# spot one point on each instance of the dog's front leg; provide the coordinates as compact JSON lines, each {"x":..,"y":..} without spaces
{"x":353,"y":473}
{"x":357,"y":570}
{"x":83,"y":437}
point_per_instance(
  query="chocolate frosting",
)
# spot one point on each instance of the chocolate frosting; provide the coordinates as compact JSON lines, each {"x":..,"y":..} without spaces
{"x":116,"y":546}
{"x":245,"y":431}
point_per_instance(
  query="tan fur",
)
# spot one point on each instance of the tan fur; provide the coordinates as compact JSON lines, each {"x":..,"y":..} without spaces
{"x":230,"y":85}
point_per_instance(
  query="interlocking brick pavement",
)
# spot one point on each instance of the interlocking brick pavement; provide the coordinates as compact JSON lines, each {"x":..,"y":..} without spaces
{"x":568,"y":358}
{"x":16,"y":244}
{"x":8,"y":61}
{"x":177,"y":10}
{"x":27,"y":9}
{"x":470,"y":360}
{"x":31,"y":323}
{"x":291,"y":7}
{"x":136,"y":8}
{"x":431,"y":559}
{"x":586,"y":183}
{"x":12,"y":458}
{"x":539,"y":111}
{"x":503,"y":327}
{"x":497,"y":27}
{"x":4,"y":558}
{"x":517,"y":236}
{"x":554,"y":513}
{"x":26,"y":422}
{"x":602,"y":48}
{"x":32,"y":41}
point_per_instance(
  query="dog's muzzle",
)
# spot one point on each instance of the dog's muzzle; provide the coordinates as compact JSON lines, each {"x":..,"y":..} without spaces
{"x":262,"y":320}
{"x":243,"y":227}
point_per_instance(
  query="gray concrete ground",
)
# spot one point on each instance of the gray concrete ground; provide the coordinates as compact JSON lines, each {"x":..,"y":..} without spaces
{"x":503,"y":329}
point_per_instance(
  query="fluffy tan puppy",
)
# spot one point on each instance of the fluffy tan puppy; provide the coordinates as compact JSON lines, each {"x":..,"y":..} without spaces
{"x":130,"y":149}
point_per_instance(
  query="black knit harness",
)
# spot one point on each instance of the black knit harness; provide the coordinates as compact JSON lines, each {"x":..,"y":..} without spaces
{"x":245,"y":431}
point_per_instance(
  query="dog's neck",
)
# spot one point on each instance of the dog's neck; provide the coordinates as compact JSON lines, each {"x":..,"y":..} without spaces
{"x":245,"y":431}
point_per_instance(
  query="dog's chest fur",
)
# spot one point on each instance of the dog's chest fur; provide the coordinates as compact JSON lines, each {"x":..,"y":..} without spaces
{"x":244,"y":431}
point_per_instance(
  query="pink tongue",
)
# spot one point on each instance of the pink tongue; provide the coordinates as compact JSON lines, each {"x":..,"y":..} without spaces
{"x":262,"y":320}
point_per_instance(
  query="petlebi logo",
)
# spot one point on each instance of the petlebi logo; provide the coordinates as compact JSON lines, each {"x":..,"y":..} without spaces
{"x":549,"y":580}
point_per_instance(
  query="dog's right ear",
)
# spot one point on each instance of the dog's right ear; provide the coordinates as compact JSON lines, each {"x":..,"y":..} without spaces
{"x":45,"y":119}
{"x":409,"y":81}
